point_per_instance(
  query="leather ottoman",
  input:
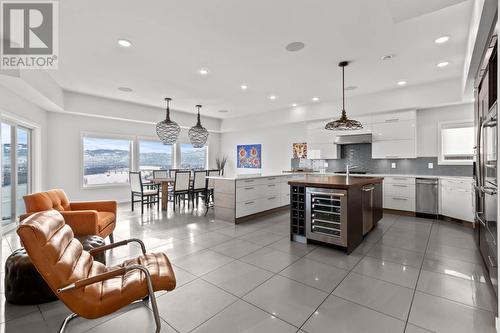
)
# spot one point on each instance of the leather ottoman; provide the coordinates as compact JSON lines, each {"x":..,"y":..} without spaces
{"x":24,"y":285}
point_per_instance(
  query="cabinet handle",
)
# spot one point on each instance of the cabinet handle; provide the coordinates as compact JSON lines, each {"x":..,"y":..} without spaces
{"x":391,"y":120}
{"x":397,"y":185}
{"x":392,"y":156}
{"x":271,"y":185}
{"x":271,"y":198}
{"x":249,"y":202}
{"x":249,"y":188}
{"x":402,"y":199}
{"x":400,"y":178}
{"x":249,"y":181}
{"x":272,"y":178}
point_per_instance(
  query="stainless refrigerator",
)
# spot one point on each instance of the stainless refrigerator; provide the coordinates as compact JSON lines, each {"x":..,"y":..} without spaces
{"x":485,"y":165}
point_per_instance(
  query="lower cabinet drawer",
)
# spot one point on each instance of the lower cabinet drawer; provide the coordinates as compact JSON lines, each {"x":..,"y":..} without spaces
{"x":399,"y":190}
{"x":271,"y":189}
{"x":249,"y":192}
{"x":245,"y":208}
{"x":271,"y":202}
{"x":399,"y":203}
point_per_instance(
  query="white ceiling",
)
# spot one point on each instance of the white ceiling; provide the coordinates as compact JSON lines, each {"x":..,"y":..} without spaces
{"x":244,"y":42}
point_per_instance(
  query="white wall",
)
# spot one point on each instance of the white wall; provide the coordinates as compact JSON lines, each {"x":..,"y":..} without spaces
{"x":276,"y":146}
{"x":64,"y":139}
{"x":427,"y":125}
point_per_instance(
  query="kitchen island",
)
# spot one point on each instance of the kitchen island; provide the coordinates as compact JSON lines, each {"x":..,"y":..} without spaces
{"x":335,"y":210}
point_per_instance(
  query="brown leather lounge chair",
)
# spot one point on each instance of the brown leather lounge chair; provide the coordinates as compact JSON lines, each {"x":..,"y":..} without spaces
{"x":85,"y":218}
{"x":87,"y":287}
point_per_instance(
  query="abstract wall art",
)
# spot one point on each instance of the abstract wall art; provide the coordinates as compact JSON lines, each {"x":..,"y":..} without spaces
{"x":299,"y":150}
{"x":249,"y":156}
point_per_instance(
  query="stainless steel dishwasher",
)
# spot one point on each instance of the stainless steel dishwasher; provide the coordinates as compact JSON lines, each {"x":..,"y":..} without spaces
{"x":427,"y":197}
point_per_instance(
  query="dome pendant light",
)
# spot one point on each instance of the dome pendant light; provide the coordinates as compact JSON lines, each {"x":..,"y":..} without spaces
{"x":343,"y":123}
{"x":198,"y":134}
{"x":168,"y":130}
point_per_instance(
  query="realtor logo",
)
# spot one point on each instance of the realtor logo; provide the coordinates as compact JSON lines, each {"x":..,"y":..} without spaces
{"x":29,"y":34}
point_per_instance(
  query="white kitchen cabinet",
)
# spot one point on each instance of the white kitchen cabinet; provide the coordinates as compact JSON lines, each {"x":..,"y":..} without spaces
{"x":394,"y":149}
{"x":399,"y":193}
{"x":320,"y":144}
{"x":401,"y":130}
{"x":393,"y":117}
{"x":456,"y":199}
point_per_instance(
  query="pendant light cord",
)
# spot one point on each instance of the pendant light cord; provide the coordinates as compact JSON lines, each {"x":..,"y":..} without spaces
{"x":343,"y":90}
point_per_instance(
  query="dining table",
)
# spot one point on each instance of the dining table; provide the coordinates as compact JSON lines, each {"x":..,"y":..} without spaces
{"x":164,"y":182}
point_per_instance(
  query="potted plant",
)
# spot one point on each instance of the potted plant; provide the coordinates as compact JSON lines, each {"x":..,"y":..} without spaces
{"x":221,"y":163}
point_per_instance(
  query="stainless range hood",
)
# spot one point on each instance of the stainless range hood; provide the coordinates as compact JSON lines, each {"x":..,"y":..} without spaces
{"x":353,"y":139}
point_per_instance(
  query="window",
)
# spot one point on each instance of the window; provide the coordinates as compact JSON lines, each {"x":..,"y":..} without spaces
{"x":106,"y":161}
{"x":154,"y":155}
{"x":456,"y":142}
{"x":192,"y":158}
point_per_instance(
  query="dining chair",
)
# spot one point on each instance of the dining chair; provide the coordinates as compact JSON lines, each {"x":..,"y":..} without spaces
{"x":138,"y":189}
{"x":180,"y":187}
{"x":209,"y":196}
{"x":158,"y":174}
{"x":199,"y":186}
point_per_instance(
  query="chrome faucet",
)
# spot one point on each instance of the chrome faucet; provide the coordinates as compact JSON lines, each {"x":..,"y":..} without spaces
{"x":349,"y":167}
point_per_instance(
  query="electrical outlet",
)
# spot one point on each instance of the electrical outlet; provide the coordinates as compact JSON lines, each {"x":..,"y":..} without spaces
{"x":393,"y":165}
{"x":430,"y":165}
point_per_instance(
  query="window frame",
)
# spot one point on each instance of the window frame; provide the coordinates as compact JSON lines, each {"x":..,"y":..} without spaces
{"x":442,"y":125}
{"x":98,"y":135}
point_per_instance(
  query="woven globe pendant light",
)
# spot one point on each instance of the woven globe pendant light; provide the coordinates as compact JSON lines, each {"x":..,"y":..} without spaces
{"x":198,"y":135}
{"x":343,"y":123}
{"x":168,"y":130}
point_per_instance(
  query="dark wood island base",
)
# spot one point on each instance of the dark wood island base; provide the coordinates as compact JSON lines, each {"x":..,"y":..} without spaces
{"x":334,"y":210}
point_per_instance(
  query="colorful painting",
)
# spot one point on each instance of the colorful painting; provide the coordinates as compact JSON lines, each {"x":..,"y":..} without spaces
{"x":249,"y":156}
{"x":299,"y":150}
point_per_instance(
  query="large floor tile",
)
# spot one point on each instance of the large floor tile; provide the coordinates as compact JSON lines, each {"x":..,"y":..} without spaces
{"x":295,"y":248}
{"x":210,"y":239}
{"x":236,"y":248}
{"x":28,"y":324}
{"x":409,"y":243}
{"x":376,"y":294}
{"x":178,"y":248}
{"x":452,"y":252}
{"x":262,"y":237}
{"x":270,"y":259}
{"x":137,"y":319}
{"x":192,"y":304}
{"x":341,"y":316}
{"x":202,"y":262}
{"x":399,"y":256}
{"x":456,"y":268}
{"x":237,"y":277}
{"x":286,"y":299}
{"x":334,"y":257}
{"x":467,"y":292}
{"x":444,"y":316}
{"x":9,"y":311}
{"x":402,"y":275}
{"x":315,"y":274}
{"x":410,"y":328}
{"x":242,"y":317}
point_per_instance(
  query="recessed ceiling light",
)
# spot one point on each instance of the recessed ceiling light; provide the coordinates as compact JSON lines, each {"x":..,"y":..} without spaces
{"x":223,"y":111}
{"x":315,"y":99}
{"x":402,"y":83}
{"x":295,"y":46}
{"x":294,"y":105}
{"x":125,"y":89}
{"x":351,"y":87}
{"x":388,"y":57}
{"x":272,"y":97}
{"x":124,"y":43}
{"x":443,"y":64}
{"x":441,"y":40}
{"x":203,"y":71}
{"x":244,"y":87}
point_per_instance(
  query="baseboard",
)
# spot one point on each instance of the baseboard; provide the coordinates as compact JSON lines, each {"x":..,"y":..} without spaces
{"x":497,"y":324}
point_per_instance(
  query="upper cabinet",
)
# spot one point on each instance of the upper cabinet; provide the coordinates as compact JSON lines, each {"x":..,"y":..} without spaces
{"x":320,"y":142}
{"x":394,"y":135}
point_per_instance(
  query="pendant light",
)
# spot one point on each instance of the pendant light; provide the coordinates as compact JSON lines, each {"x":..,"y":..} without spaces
{"x":168,"y":130}
{"x":198,"y":134}
{"x":343,"y":123}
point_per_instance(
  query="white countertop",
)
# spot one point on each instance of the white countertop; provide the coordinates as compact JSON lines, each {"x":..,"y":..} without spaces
{"x":265,"y":175}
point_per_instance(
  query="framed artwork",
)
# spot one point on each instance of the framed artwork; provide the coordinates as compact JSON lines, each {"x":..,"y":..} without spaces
{"x":299,"y":150}
{"x":249,"y":156}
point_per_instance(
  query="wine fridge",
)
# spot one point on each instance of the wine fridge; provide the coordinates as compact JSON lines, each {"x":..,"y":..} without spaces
{"x":326,"y":215}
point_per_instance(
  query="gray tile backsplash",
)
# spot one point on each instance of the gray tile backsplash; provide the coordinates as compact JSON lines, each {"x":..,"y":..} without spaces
{"x":360,"y":155}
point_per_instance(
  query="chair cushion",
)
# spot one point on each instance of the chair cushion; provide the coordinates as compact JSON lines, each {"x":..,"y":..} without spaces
{"x":104,"y":219}
{"x":41,"y":201}
{"x":150,"y":192}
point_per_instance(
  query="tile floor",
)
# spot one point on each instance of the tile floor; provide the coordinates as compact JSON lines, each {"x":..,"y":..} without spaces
{"x":410,"y":275}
